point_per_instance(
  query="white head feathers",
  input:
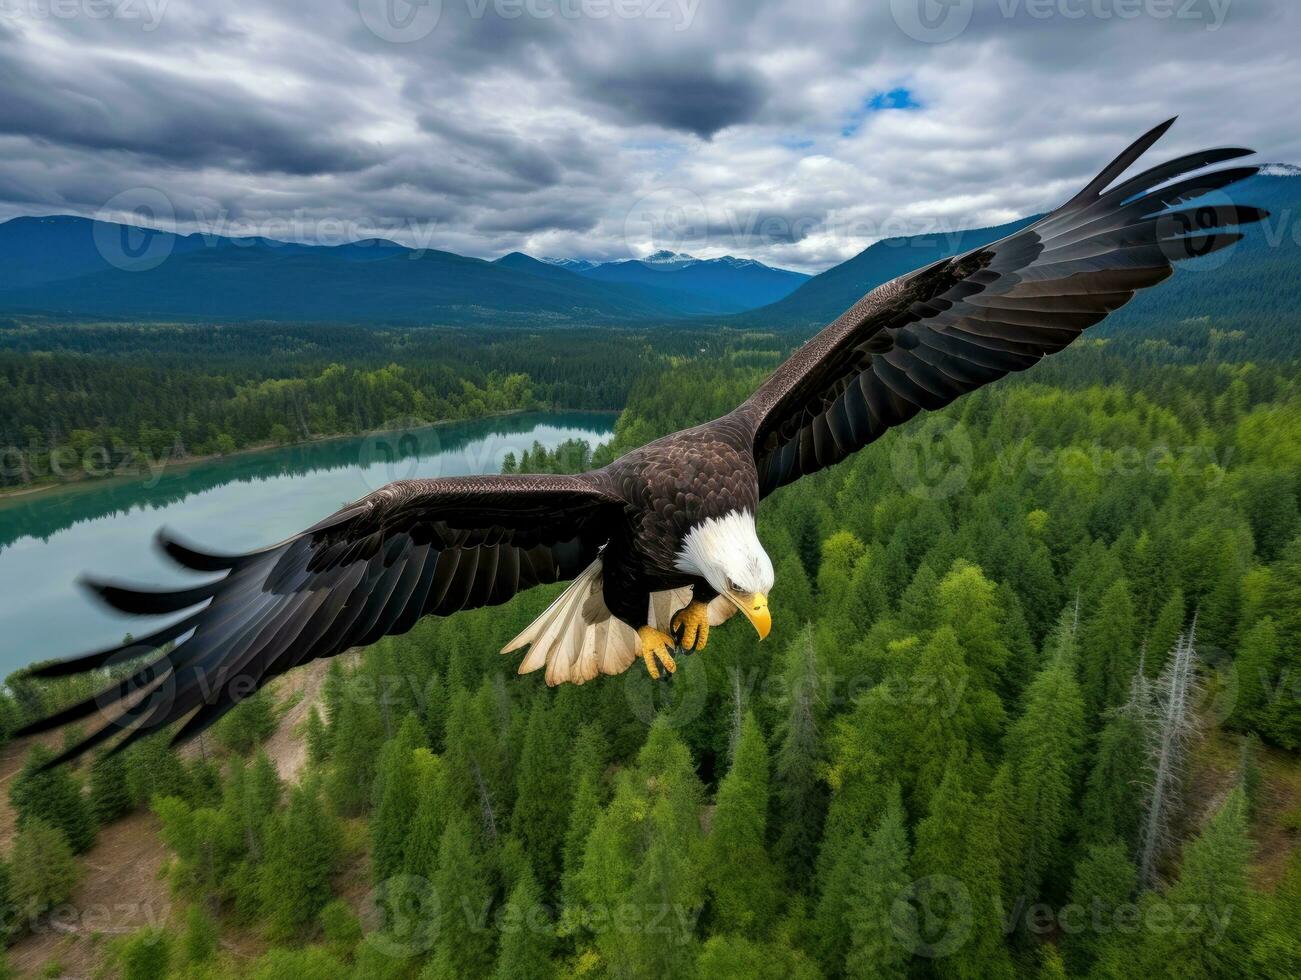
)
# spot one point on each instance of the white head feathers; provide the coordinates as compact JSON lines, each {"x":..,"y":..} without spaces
{"x":726,"y":553}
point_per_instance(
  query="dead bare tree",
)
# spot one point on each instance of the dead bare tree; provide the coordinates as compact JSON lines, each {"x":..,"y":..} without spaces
{"x":1172,"y":733}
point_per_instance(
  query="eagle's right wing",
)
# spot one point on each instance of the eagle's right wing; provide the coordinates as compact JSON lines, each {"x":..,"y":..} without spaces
{"x":410,"y":549}
{"x":926,"y":338}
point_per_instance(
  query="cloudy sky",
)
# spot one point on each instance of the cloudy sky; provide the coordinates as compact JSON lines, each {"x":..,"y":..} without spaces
{"x":794,"y":131}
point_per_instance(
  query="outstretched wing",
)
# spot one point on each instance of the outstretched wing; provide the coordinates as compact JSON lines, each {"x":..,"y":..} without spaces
{"x":926,"y":338}
{"x":410,"y":549}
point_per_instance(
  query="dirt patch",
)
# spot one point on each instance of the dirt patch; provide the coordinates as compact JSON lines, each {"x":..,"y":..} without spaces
{"x":122,"y":889}
{"x":1216,"y":770}
{"x":12,"y":757}
{"x":287,"y":747}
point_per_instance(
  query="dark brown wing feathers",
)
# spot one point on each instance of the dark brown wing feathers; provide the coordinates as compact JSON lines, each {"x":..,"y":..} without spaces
{"x":922,"y":340}
{"x":371,"y":570}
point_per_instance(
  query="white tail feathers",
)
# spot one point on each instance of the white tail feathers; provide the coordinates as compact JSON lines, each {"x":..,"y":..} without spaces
{"x":577,"y":638}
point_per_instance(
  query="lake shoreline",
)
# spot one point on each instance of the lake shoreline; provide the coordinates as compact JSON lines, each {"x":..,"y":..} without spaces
{"x":86,"y":482}
{"x":231,"y":505}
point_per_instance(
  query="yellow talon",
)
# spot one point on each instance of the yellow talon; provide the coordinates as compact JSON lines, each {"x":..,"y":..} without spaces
{"x":690,"y":626}
{"x":656,"y":646}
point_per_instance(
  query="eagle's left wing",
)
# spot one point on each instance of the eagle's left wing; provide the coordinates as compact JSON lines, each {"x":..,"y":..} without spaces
{"x":924,"y":339}
{"x":412,"y":548}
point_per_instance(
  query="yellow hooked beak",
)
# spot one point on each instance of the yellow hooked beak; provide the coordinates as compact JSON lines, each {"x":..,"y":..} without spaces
{"x":755,"y":607}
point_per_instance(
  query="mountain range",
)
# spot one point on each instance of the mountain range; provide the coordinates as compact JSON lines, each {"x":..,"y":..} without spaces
{"x":64,"y":265}
{"x":60,"y":266}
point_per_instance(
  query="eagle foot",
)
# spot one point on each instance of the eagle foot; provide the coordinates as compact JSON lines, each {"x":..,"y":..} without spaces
{"x":656,"y":647}
{"x":690,"y":626}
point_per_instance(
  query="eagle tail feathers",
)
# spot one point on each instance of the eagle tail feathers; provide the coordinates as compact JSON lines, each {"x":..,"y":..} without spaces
{"x":576,"y":638}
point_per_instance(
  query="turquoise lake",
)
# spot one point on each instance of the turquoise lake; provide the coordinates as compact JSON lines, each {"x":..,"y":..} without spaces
{"x":106,"y":527}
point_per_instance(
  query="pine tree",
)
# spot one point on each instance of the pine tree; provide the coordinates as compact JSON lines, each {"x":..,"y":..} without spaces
{"x":464,"y":943}
{"x":644,"y":852}
{"x":154,"y":770}
{"x":742,"y":880}
{"x":302,"y":846}
{"x":541,"y":794}
{"x":248,"y":724}
{"x":1276,"y":949}
{"x":475,"y":773}
{"x":51,"y":795}
{"x":428,"y":821}
{"x":356,"y":732}
{"x":881,"y":876}
{"x":585,"y":806}
{"x":1282,"y":601}
{"x":738,"y":958}
{"x":950,"y":713}
{"x":610,"y":860}
{"x":396,"y":788}
{"x":1044,"y":748}
{"x":254,"y":800}
{"x":956,"y":864}
{"x":145,"y":955}
{"x":1217,"y":617}
{"x":317,"y":738}
{"x":201,"y":935}
{"x":1104,"y":880}
{"x":1109,"y":649}
{"x":1213,"y":884}
{"x":793,"y":602}
{"x":1169,"y":623}
{"x":109,"y":795}
{"x":42,"y":870}
{"x":919,"y":608}
{"x":1259,"y":682}
{"x":340,"y":927}
{"x":527,"y":934}
{"x":868,"y":599}
{"x":1112,"y":807}
{"x":800,"y":796}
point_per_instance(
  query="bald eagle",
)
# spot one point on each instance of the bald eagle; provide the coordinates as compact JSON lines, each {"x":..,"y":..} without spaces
{"x":661,"y":544}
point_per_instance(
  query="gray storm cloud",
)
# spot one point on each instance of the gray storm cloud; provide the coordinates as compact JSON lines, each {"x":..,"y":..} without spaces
{"x":606,"y":128}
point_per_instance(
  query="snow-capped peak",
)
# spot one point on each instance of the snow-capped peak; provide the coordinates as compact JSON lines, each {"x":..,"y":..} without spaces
{"x":573,"y":265}
{"x":665,"y":257}
{"x":736,"y":263}
{"x":1280,"y":170}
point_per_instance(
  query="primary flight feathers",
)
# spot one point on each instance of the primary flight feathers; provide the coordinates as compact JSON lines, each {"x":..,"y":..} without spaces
{"x":426,"y":547}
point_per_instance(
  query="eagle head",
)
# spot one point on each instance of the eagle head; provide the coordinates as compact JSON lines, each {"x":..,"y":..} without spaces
{"x":725,"y":552}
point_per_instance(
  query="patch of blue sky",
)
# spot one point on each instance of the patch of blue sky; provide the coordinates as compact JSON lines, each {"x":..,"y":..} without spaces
{"x":896,"y":98}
